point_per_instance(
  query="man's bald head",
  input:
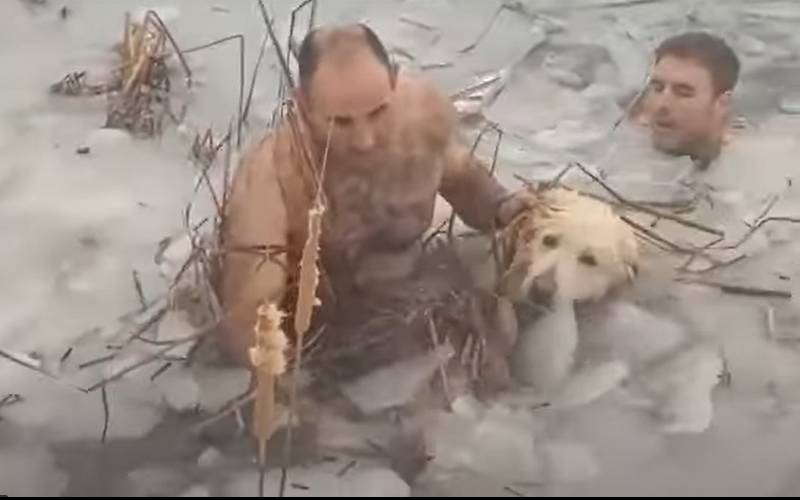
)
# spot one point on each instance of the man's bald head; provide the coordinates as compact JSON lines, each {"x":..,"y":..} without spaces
{"x":343,"y":44}
{"x":346,"y":78}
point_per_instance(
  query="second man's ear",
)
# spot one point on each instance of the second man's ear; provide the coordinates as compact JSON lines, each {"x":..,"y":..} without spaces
{"x":393,"y":72}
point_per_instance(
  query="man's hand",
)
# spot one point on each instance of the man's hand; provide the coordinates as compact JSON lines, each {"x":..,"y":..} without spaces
{"x":513,"y":205}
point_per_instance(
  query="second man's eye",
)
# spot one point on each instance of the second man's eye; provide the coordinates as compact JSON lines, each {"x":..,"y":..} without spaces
{"x":343,"y":121}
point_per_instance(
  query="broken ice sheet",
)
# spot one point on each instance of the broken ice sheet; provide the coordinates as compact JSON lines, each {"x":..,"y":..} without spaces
{"x":590,"y":384}
{"x":544,"y":353}
{"x":179,"y":389}
{"x":28,"y":470}
{"x":499,"y":443}
{"x":783,"y":321}
{"x":154,"y":481}
{"x":569,"y":462}
{"x":682,"y":387}
{"x":324,"y":480}
{"x":59,"y":413}
{"x":397,"y":384}
{"x":218,"y":386}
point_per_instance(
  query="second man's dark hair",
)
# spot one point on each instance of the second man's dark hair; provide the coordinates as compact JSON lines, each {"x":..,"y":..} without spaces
{"x":710,"y":51}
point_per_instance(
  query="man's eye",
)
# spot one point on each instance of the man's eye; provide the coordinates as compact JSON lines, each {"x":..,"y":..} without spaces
{"x":377,"y":112}
{"x":343,"y":121}
{"x":682,"y":91}
{"x":657,"y":86}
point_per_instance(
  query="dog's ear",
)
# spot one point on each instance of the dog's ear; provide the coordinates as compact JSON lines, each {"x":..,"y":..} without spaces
{"x":514,"y":284}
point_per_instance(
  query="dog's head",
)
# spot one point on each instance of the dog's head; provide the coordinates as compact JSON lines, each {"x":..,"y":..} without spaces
{"x":571,"y":245}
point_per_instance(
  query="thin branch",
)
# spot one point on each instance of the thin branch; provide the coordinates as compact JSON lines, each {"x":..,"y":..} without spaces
{"x":347,"y":468}
{"x":241,"y":76}
{"x":485,"y":30}
{"x":10,"y":400}
{"x":442,"y":369}
{"x":166,"y":31}
{"x":253,"y":78}
{"x":14,"y":359}
{"x":146,"y":361}
{"x":281,"y":57}
{"x":557,"y":179}
{"x":655,"y":236}
{"x":137,"y":284}
{"x":740,"y":289}
{"x":646,"y":209}
{"x":160,"y":371}
{"x":95,"y":362}
{"x":106,"y":414}
{"x":759,"y":225}
{"x":228,"y":409}
{"x":493,"y":169}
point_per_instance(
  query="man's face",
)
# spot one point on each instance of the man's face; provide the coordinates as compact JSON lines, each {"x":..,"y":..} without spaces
{"x":685,"y":113}
{"x":356,"y":94}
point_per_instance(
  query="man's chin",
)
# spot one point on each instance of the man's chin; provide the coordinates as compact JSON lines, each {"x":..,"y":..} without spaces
{"x":669,"y":145}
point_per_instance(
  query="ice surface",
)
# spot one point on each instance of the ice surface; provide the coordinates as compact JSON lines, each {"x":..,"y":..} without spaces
{"x":545,"y":352}
{"x":396,"y":385}
{"x":153,"y":481}
{"x":76,"y":226}
{"x":569,"y":462}
{"x":29,"y":470}
{"x":326,"y":481}
{"x":498,"y":443}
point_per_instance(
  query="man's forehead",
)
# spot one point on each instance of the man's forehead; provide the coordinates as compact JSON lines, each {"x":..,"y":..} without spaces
{"x":680,"y":70}
{"x":353,"y":88}
{"x":332,"y":36}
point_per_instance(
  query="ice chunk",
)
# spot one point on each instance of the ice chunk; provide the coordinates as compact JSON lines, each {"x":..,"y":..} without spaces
{"x":591,"y":383}
{"x":196,"y":492}
{"x":154,"y":481}
{"x":60,"y":413}
{"x":626,"y":332}
{"x":324,"y":481}
{"x":569,"y":462}
{"x":375,"y":482}
{"x":682,"y":387}
{"x":499,"y":444}
{"x":179,"y":389}
{"x":173,"y":254}
{"x":210,"y":457}
{"x":29,"y":471}
{"x":397,"y":384}
{"x":544,"y":354}
{"x":790,"y":104}
{"x":107,"y":141}
{"x":220,"y":385}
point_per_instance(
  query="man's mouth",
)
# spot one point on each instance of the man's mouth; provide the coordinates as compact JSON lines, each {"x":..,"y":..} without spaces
{"x":664,"y":125}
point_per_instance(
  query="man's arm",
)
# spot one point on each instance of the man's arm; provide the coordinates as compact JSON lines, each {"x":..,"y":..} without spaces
{"x":475,"y":195}
{"x":255,"y":228}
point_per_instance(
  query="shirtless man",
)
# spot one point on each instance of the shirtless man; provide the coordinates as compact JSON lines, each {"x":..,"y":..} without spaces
{"x":688,"y":103}
{"x":393,"y":147}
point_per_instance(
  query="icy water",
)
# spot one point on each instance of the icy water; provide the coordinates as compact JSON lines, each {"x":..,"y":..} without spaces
{"x":76,"y":226}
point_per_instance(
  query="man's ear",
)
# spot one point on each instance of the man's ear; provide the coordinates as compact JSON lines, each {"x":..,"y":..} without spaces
{"x":301,"y":98}
{"x":725,"y":102}
{"x":394,"y":69}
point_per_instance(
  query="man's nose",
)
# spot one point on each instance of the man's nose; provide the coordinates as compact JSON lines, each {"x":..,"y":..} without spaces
{"x":363,"y":137}
{"x":662,"y":100}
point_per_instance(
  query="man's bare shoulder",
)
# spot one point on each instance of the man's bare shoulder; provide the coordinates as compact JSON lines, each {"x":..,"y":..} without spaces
{"x":425,"y":109}
{"x":260,"y":157}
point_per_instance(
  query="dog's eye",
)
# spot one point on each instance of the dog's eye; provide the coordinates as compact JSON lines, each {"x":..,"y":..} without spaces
{"x":587,"y":259}
{"x":550,"y":241}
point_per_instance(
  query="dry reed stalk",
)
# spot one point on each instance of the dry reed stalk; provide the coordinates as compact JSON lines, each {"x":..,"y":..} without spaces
{"x":268,"y":358}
